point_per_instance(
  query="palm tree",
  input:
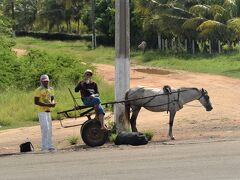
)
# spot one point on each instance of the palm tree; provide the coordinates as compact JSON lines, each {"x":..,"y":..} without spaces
{"x":196,"y":21}
{"x":78,"y":6}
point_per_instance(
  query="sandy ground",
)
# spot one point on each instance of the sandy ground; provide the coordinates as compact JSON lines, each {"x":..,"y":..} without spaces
{"x":191,"y":123}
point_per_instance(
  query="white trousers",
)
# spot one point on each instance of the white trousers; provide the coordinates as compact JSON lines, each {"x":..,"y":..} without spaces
{"x":45,"y":121}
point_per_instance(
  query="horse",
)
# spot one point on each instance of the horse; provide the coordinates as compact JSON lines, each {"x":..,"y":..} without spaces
{"x":159,"y":100}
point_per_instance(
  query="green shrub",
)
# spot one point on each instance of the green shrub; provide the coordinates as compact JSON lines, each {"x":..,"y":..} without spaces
{"x":10,"y":69}
{"x":149,"y":134}
{"x":73,"y":139}
{"x":5,"y":26}
{"x":61,"y":69}
{"x":112,"y":137}
{"x":112,"y":127}
{"x":4,"y":123}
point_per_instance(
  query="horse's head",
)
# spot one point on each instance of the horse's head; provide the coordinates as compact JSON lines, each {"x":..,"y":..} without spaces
{"x":205,"y":100}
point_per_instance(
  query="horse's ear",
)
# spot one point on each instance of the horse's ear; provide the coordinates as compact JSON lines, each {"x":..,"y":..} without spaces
{"x":204,"y":91}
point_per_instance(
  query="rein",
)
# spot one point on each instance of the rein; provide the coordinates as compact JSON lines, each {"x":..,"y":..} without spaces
{"x":163,"y":104}
{"x":129,"y":100}
{"x":168,"y":103}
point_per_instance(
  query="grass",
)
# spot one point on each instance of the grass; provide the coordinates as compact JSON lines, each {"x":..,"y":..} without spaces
{"x":75,"y":49}
{"x":149,"y":134}
{"x":18,"y":110}
{"x":112,"y":137}
{"x":72,"y":140}
{"x":227,"y":64}
{"x":222,"y":64}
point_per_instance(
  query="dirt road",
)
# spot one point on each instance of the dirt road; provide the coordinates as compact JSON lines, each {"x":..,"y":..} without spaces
{"x":190,"y":122}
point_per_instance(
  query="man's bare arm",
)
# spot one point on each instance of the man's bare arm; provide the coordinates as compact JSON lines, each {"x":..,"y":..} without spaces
{"x":37,"y":102}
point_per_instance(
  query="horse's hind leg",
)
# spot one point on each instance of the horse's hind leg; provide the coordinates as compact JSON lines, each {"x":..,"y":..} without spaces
{"x":171,"y":120}
{"x":135,"y":111}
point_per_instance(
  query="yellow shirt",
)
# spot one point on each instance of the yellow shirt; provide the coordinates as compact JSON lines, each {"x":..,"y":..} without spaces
{"x":44,"y":95}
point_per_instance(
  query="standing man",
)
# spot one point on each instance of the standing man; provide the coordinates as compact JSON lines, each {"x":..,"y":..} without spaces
{"x":90,"y":96}
{"x":44,"y":99}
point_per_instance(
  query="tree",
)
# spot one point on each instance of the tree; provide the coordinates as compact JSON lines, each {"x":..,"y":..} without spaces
{"x":78,"y":10}
{"x":5,"y":26}
{"x":105,"y":17}
{"x":25,"y":11}
{"x":199,"y":20}
{"x":53,"y":13}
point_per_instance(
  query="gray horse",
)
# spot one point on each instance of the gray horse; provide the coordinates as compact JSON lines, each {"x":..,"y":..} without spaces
{"x":158,"y":100}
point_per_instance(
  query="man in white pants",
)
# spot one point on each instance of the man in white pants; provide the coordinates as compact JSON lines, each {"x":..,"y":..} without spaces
{"x":44,"y":99}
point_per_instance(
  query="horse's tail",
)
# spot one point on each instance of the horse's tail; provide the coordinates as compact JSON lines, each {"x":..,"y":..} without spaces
{"x":127,"y":108}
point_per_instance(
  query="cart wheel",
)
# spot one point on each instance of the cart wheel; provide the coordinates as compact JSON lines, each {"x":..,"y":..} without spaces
{"x":92,"y":134}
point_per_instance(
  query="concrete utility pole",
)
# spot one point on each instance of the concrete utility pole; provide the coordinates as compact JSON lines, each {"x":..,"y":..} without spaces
{"x":122,"y":64}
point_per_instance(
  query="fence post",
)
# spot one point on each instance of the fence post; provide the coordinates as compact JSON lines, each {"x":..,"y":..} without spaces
{"x":172,"y":43}
{"x":219,"y":47}
{"x":93,"y":18}
{"x":210,"y":46}
{"x":239,"y":46}
{"x":166,"y":44}
{"x":185,"y":44}
{"x":193,"y":46}
{"x":228,"y":44}
{"x":163,"y":41}
{"x":159,"y":41}
{"x":178,"y":44}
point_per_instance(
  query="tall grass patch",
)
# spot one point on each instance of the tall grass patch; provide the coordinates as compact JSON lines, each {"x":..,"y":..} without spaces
{"x":16,"y":108}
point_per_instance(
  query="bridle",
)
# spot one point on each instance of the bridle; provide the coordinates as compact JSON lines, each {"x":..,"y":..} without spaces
{"x":204,"y":94}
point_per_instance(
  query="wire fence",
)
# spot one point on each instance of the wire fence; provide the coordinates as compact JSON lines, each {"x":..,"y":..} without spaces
{"x":196,"y":46}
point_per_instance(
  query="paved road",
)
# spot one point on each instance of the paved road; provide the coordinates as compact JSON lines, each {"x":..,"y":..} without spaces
{"x":181,"y":160}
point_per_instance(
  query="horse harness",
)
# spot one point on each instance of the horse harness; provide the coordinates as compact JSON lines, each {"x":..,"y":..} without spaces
{"x":167,"y":91}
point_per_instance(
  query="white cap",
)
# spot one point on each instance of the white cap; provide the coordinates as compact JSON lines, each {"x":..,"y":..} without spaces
{"x":88,"y":71}
{"x":44,"y":77}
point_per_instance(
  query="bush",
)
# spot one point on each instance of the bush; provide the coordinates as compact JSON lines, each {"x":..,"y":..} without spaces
{"x":149,"y":134}
{"x":9,"y":68}
{"x":112,"y":137}
{"x":24,"y":73}
{"x":73,"y":139}
{"x":112,"y":127}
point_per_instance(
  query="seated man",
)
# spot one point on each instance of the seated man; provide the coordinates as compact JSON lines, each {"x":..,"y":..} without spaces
{"x":90,"y":96}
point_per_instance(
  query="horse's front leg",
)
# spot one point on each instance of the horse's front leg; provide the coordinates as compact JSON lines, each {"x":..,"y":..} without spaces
{"x":171,"y":120}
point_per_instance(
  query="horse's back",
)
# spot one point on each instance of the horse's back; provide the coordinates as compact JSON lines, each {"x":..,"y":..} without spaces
{"x":153,"y":99}
{"x":141,"y":91}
